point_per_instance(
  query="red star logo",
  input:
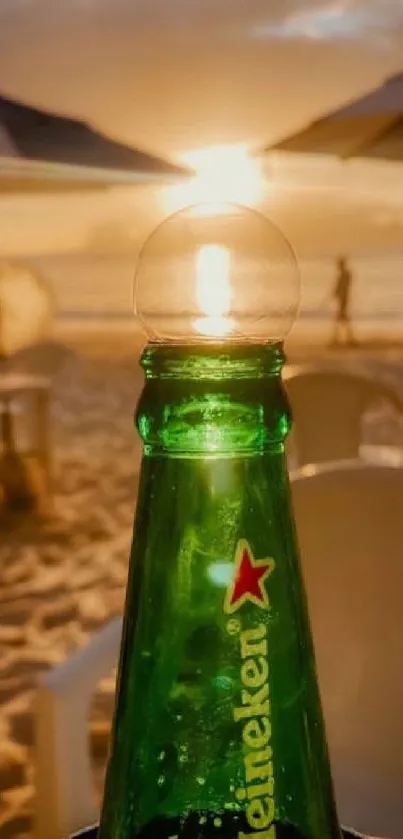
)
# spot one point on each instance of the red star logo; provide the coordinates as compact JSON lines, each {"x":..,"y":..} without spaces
{"x":249,"y":578}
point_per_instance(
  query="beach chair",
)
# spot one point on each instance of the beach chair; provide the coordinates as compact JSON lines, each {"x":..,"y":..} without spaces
{"x":349,"y":523}
{"x":65,"y":794}
{"x":328,"y":404}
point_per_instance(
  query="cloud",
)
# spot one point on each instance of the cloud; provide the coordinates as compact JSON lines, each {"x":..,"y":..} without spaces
{"x":287,"y":20}
{"x":338,"y":20}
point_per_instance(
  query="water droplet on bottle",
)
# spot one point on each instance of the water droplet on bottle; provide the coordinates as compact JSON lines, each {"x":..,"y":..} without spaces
{"x":183,"y":754}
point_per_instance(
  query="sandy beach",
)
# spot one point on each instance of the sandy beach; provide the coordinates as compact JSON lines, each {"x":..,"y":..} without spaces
{"x":62,"y":579}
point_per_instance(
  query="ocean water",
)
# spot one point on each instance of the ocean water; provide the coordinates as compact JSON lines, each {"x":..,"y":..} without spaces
{"x":96,"y":292}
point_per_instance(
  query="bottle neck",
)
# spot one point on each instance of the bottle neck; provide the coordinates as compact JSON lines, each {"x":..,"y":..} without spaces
{"x":218,"y":728}
{"x":213,"y":401}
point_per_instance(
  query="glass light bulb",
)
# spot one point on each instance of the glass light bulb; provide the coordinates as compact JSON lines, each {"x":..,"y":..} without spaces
{"x":217,"y":274}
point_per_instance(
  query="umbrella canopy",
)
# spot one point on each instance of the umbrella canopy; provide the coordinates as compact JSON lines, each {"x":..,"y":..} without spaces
{"x":370,"y":127}
{"x":42,"y":151}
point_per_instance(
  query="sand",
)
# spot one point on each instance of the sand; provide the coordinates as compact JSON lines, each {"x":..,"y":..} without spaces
{"x":62,"y":579}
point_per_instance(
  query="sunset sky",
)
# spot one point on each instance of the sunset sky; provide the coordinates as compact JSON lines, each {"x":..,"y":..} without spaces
{"x":177,"y":76}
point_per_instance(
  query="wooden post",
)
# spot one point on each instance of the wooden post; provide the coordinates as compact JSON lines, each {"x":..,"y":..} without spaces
{"x":44,"y":438}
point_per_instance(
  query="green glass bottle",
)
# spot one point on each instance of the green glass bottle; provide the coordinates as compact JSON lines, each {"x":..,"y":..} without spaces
{"x":218,"y":730}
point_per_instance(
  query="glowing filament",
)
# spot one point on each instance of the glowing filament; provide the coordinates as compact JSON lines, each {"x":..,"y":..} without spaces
{"x":213,"y":290}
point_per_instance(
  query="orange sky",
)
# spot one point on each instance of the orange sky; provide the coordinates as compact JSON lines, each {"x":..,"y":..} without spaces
{"x":173,"y":76}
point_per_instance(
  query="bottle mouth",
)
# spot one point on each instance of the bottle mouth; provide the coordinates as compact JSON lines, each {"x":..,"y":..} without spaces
{"x":212,"y":361}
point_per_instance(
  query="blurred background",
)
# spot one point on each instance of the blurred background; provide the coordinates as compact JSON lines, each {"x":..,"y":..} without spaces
{"x":113,"y":115}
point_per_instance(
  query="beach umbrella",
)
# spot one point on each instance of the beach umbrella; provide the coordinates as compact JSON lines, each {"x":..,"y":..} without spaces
{"x":369,"y":127}
{"x":41,"y":151}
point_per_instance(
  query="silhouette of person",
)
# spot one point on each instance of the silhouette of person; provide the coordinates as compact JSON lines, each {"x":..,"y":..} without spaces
{"x":343,"y":333}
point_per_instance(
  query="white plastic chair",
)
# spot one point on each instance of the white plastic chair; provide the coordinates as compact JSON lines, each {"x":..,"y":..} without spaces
{"x":328,"y":404}
{"x":65,"y":797}
{"x":350,"y":527}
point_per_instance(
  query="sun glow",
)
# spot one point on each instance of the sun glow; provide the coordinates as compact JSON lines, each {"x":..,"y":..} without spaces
{"x":213,"y":290}
{"x":225,"y":174}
